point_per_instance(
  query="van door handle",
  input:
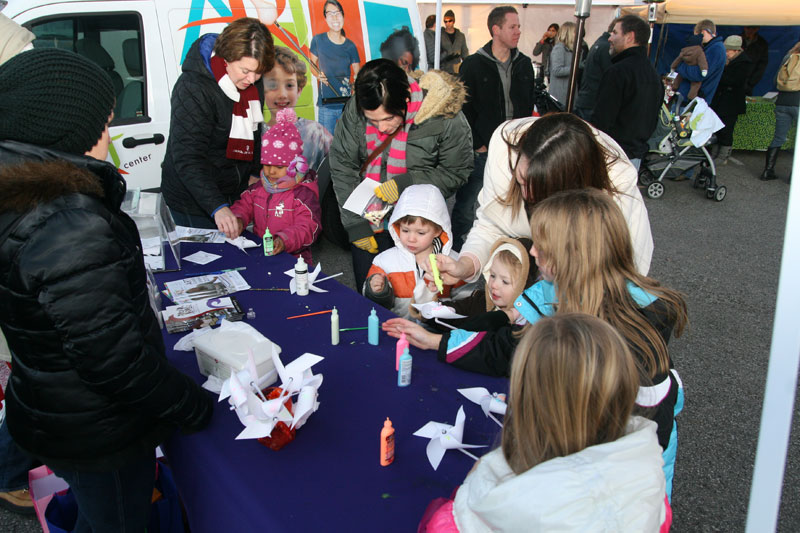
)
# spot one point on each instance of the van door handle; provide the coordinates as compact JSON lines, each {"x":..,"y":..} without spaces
{"x":130,"y":142}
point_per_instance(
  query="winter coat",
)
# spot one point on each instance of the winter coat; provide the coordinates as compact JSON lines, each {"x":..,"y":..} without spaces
{"x":544,"y":48}
{"x":729,"y":100}
{"x":196,"y":176}
{"x":597,"y":62}
{"x":628,"y":101}
{"x":560,"y":69}
{"x":430,"y":47}
{"x":91,"y":386}
{"x":715,"y":54}
{"x":614,"y":486}
{"x":438,"y":148}
{"x":758,"y":52}
{"x":294,"y":215}
{"x":494,"y":220}
{"x":485,"y":108}
{"x":399,"y":264}
{"x":452,"y":53}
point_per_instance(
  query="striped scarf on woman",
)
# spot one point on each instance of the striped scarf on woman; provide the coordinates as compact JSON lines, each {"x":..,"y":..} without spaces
{"x":396,"y":164}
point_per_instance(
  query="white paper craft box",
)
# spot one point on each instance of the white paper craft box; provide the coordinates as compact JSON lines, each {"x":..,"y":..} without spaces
{"x":227,"y":346}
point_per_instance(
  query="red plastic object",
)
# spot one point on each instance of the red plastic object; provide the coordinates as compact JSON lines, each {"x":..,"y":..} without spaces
{"x":281,"y":434}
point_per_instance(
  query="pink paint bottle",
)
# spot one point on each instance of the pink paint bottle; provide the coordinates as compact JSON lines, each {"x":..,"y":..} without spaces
{"x":402,"y":344}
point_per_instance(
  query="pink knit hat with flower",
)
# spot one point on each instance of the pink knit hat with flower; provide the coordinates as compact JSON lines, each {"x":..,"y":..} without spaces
{"x":281,"y":143}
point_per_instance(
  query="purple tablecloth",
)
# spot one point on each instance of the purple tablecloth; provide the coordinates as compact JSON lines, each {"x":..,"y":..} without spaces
{"x":329,"y":478}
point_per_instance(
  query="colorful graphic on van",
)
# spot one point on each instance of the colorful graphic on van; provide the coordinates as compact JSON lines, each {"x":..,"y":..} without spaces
{"x":114,"y":155}
{"x":382,"y":20}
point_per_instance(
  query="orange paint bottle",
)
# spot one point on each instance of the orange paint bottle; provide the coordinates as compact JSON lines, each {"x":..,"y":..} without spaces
{"x":387,"y":443}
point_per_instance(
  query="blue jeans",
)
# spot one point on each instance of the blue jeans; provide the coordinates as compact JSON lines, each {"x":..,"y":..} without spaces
{"x":784,"y":116}
{"x":192,"y":221}
{"x":329,"y":114}
{"x":15,"y":463}
{"x":116,"y":500}
{"x":466,"y":198}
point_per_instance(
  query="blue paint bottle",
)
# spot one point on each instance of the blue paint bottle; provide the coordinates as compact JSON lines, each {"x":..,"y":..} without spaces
{"x":372,"y":328}
{"x":404,"y":374}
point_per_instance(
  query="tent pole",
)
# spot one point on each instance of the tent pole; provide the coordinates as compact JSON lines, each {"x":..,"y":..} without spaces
{"x":437,"y":41}
{"x":582,"y":9}
{"x":779,"y":395}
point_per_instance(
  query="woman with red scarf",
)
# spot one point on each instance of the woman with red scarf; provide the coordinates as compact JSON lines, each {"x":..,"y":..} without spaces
{"x":398,"y":131}
{"x":213,"y":145}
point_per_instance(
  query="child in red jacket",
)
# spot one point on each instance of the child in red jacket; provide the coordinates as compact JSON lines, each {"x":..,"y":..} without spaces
{"x":287,"y":198}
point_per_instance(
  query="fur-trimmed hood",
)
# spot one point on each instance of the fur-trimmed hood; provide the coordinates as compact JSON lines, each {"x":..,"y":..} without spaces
{"x":520,"y":248}
{"x":444,"y":95}
{"x":31,"y":176}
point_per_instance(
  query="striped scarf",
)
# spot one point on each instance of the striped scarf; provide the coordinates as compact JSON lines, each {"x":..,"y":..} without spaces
{"x":396,"y":164}
{"x":246,"y":113}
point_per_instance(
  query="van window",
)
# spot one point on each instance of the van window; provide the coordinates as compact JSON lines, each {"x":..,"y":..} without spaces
{"x":114,"y":42}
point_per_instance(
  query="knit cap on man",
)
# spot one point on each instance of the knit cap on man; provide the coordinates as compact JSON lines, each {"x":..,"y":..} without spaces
{"x":54,"y":99}
{"x":281,"y":143}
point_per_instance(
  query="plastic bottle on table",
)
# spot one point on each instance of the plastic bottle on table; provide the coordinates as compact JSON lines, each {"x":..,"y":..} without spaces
{"x":266,"y":240}
{"x":301,"y":277}
{"x":402,"y":344}
{"x":404,"y":374}
{"x":334,"y":326}
{"x":387,"y":443}
{"x":372,"y":328}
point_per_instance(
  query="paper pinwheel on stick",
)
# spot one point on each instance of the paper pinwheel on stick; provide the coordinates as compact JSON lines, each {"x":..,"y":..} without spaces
{"x":259,"y":415}
{"x":489,"y":402}
{"x":312,"y":279}
{"x":445,"y":437}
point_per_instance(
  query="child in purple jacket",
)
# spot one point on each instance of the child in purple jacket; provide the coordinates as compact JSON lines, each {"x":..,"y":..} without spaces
{"x":287,"y":198}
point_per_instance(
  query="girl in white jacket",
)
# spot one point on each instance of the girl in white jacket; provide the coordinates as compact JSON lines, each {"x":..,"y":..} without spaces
{"x":572,"y":458}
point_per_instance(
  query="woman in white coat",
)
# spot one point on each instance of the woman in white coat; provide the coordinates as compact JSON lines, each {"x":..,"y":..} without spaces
{"x":532,"y":158}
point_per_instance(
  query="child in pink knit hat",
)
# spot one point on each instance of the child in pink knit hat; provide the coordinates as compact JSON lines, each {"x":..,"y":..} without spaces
{"x":287,"y":198}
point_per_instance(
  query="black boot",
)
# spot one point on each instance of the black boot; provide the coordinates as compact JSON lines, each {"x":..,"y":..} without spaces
{"x":769,"y":169}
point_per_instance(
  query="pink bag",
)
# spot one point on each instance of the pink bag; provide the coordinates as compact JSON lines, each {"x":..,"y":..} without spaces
{"x":43,"y":483}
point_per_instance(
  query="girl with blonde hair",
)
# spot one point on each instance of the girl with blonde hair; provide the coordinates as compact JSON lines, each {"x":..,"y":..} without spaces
{"x":561,"y":61}
{"x":583,"y":249}
{"x":568,"y":427}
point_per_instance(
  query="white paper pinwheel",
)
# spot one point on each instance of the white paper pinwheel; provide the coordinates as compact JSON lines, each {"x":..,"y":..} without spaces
{"x":445,"y":437}
{"x":312,"y":279}
{"x":489,"y":402}
{"x":259,"y":415}
{"x":241,"y":243}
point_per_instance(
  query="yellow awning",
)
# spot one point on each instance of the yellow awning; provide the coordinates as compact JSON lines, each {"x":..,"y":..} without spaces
{"x":724,"y":12}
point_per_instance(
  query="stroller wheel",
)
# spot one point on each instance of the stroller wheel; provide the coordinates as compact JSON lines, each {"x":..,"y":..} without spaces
{"x":646,"y":176}
{"x":655,"y":190}
{"x":720,"y":193}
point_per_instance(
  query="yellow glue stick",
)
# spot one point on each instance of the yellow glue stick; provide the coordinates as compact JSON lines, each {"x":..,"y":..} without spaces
{"x":437,"y":278}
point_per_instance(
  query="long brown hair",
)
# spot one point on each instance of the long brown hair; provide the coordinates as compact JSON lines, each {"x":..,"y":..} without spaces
{"x":583,"y":238}
{"x":562,"y":154}
{"x":573,"y":385}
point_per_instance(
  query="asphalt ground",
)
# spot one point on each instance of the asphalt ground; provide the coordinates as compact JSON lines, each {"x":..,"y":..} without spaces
{"x":725,"y":257}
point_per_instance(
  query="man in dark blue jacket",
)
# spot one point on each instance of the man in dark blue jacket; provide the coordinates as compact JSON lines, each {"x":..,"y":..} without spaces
{"x":630,"y":91}
{"x":597,"y":62}
{"x":715,"y":55}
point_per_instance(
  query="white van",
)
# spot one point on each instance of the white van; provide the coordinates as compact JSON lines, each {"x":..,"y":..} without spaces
{"x":142,"y":43}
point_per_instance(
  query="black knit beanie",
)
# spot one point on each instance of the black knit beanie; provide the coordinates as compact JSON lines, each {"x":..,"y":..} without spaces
{"x":54,"y":99}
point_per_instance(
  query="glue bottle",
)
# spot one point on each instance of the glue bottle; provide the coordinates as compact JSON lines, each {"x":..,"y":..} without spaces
{"x":269,"y":245}
{"x":404,"y":374}
{"x":334,"y":326}
{"x":301,"y":277}
{"x":402,"y":344}
{"x":372,"y":328}
{"x":387,"y":443}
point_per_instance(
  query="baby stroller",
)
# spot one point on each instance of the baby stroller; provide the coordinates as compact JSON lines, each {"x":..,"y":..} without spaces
{"x":679,"y":144}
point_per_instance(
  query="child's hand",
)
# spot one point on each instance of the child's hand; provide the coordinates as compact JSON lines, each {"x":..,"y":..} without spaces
{"x":416,"y":334}
{"x":377,"y":282}
{"x":277,"y":245}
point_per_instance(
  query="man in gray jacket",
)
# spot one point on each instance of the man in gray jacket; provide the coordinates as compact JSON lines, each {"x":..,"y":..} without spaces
{"x":454,"y":44}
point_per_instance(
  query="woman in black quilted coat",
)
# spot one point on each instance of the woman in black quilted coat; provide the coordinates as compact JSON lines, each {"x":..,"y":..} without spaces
{"x":91,"y":392}
{"x":213,"y":145}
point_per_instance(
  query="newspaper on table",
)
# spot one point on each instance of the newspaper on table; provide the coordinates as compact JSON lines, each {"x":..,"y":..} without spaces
{"x":200,"y":235}
{"x":201,"y":313}
{"x":205,"y":287}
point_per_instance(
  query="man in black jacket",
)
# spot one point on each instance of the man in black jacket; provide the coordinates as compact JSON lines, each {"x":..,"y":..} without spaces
{"x":91,"y":392}
{"x":630,"y":91}
{"x":597,"y":62}
{"x":499,"y":80}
